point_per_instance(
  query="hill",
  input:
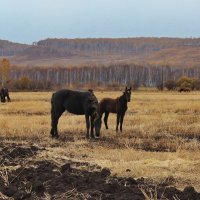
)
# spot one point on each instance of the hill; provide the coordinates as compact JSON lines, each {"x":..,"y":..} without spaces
{"x":8,"y":48}
{"x":67,"y":52}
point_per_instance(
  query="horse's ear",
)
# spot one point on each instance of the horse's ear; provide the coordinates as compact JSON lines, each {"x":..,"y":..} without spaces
{"x":130,"y":88}
{"x":90,"y":90}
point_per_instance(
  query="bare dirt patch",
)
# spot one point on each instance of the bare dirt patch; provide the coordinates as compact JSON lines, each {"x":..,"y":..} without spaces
{"x":24,"y":178}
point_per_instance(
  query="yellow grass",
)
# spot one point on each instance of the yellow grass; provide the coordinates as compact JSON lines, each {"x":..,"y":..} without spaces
{"x":160,"y":139}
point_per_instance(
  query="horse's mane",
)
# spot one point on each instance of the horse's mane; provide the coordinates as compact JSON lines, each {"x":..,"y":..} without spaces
{"x":92,"y":98}
{"x":94,"y":104}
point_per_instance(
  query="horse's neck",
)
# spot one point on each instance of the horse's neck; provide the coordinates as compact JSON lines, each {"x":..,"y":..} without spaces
{"x":122,"y":100}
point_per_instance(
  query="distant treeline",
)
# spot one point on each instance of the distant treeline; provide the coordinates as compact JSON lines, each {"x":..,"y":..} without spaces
{"x":118,"y":45}
{"x":122,"y":74}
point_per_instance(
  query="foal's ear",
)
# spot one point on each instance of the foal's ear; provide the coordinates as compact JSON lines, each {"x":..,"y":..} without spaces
{"x":130,"y":88}
{"x":126,"y":88}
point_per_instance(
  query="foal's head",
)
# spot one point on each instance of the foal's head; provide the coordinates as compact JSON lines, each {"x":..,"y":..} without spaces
{"x":127,"y":94}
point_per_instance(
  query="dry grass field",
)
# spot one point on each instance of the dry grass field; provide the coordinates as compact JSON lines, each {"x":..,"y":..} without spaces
{"x":160,"y":140}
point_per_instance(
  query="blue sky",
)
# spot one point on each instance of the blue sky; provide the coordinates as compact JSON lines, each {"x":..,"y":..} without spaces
{"x":32,"y":20}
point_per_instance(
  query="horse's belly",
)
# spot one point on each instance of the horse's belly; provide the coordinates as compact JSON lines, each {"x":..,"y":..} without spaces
{"x":76,"y":111}
{"x":113,"y":111}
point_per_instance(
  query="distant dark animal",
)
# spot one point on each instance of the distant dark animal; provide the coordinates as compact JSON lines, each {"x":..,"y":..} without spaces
{"x":184,"y":90}
{"x":118,"y":105}
{"x":4,"y":93}
{"x":78,"y":103}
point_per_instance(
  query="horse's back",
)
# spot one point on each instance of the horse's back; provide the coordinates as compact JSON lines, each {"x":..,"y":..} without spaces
{"x":72,"y":101}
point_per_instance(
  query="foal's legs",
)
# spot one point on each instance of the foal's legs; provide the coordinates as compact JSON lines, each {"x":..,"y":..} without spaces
{"x":106,"y":119}
{"x":118,"y":118}
{"x":121,"y":121}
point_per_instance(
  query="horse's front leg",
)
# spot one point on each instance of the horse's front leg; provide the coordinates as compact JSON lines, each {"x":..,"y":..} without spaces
{"x":118,"y":117}
{"x":3,"y":99}
{"x":92,"y":127}
{"x":87,"y":125}
{"x":55,"y":115}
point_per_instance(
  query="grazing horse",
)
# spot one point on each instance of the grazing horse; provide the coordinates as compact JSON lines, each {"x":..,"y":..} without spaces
{"x":4,"y":94}
{"x":78,"y":103}
{"x":184,"y":90}
{"x":118,"y":105}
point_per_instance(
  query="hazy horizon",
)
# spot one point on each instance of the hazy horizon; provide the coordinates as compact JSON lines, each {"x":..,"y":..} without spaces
{"x":28,"y":21}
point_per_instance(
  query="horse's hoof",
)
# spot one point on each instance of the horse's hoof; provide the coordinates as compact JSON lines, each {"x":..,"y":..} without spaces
{"x":87,"y":136}
{"x":56,"y":136}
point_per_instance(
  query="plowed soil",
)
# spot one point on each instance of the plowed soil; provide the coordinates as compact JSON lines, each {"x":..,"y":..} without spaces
{"x":24,"y":176}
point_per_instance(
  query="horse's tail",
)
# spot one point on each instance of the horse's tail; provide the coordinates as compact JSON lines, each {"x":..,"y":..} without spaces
{"x":52,"y":105}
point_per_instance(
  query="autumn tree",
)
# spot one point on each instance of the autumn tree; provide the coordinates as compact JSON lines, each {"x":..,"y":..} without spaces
{"x":188,"y":82}
{"x":4,"y":71}
{"x":170,"y":84}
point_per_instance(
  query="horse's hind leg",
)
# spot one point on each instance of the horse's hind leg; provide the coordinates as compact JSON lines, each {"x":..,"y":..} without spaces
{"x":106,"y":119}
{"x":55,"y":115}
{"x":54,"y":124}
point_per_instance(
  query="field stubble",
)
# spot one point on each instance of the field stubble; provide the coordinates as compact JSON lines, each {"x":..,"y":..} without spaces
{"x":160,"y":139}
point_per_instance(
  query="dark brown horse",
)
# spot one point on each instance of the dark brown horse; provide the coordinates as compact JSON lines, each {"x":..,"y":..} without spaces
{"x":78,"y":103}
{"x":184,"y":89}
{"x":118,"y":105}
{"x":4,"y":94}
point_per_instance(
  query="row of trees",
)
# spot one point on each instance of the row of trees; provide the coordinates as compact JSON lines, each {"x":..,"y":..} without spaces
{"x":112,"y":77}
{"x":120,"y":45}
{"x":25,"y":83}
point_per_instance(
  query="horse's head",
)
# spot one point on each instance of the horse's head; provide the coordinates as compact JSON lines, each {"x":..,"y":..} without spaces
{"x":97,"y":123}
{"x":96,"y":117}
{"x":127,"y":94}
